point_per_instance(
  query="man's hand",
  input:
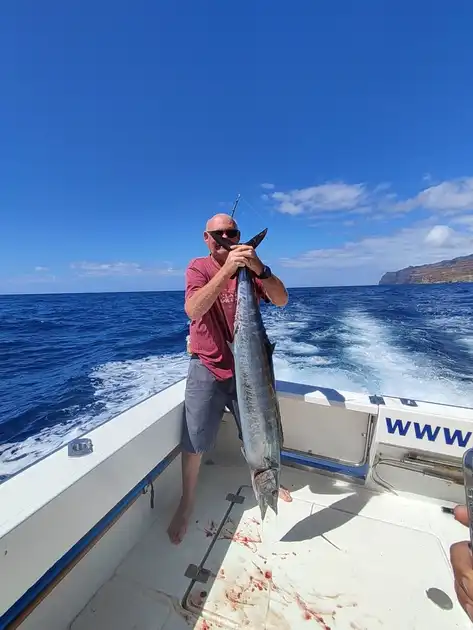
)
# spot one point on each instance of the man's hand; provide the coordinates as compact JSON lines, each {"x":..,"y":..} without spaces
{"x":241,"y":256}
{"x":462,"y":564}
{"x":245,"y":256}
{"x":254,"y":263}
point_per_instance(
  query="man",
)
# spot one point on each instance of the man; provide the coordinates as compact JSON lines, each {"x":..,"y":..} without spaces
{"x":462,"y":564}
{"x":210,"y":303}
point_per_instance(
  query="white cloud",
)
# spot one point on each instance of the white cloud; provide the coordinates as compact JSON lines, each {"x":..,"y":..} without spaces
{"x":41,"y":269}
{"x":336,"y":196}
{"x":31,"y":278}
{"x":267,"y":186}
{"x":440,"y":235}
{"x":466,"y":219}
{"x":448,"y":197}
{"x":123,"y":269}
{"x":107,"y":269}
{"x":445,"y":231}
{"x":410,"y":246}
{"x":454,"y":195}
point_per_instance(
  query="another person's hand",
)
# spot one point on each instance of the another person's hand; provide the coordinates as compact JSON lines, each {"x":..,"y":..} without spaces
{"x":462,"y":564}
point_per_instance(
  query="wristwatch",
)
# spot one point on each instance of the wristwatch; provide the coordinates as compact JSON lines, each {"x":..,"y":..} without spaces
{"x":265,"y":274}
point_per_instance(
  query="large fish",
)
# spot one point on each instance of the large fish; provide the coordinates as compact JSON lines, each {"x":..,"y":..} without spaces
{"x":258,"y":405}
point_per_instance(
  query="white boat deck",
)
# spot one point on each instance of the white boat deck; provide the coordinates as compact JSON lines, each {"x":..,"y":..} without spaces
{"x":339,"y":557}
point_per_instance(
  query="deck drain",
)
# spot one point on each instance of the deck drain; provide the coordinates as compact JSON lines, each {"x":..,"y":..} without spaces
{"x":440,"y":598}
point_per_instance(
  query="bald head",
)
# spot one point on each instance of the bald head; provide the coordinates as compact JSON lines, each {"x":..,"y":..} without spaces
{"x":228,"y":228}
{"x":221,"y":221}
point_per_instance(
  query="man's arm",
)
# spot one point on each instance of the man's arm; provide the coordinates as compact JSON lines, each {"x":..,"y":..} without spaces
{"x":275,"y":290}
{"x":272,"y":287}
{"x":200,"y":295}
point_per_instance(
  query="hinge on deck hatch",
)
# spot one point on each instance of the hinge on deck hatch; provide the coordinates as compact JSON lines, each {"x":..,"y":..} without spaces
{"x":235,"y":498}
{"x":198,"y":574}
{"x":151,"y":496}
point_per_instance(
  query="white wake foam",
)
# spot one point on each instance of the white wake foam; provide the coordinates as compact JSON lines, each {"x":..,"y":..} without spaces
{"x":303,"y":362}
{"x":368,"y":359}
{"x":460,"y":326}
{"x":118,"y":385}
{"x":385,"y":368}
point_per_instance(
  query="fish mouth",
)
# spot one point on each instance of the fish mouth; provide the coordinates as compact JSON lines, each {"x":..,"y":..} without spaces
{"x":227,"y":244}
{"x":224,"y":243}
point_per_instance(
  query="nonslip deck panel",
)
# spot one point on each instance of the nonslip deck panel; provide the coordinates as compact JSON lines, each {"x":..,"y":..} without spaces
{"x":337,"y":557}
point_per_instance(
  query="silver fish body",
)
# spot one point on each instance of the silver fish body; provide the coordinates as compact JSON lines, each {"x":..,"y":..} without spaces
{"x":260,"y":417}
{"x":258,"y":404}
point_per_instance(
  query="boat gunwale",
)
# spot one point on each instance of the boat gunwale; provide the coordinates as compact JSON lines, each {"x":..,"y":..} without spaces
{"x":26,"y":604}
{"x":88,"y":432}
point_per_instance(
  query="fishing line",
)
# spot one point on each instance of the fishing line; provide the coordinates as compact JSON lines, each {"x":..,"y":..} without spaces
{"x":250,"y":206}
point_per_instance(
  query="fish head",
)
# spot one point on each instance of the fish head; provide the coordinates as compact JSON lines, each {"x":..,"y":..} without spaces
{"x":266,"y":488}
{"x":226,"y":238}
{"x":221,"y":234}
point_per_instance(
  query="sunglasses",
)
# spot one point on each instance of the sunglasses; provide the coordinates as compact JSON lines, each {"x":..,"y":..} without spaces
{"x":228,"y":233}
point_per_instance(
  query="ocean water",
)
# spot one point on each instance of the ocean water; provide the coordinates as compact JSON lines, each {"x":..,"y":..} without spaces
{"x":70,"y":362}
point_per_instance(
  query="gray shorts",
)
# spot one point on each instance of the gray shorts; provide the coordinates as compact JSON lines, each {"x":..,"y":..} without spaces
{"x":204,"y":405}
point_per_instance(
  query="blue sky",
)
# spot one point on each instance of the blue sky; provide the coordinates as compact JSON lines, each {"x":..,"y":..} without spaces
{"x":346,"y":127}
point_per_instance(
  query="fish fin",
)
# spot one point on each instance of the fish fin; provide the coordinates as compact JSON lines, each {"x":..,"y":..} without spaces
{"x":280,"y":429}
{"x":223,"y":242}
{"x":243,"y":452}
{"x":278,"y":414}
{"x":256,"y":240}
{"x":230,"y":345}
{"x":270,"y":350}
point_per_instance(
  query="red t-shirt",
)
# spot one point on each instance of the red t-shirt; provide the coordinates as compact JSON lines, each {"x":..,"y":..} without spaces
{"x":209,"y":335}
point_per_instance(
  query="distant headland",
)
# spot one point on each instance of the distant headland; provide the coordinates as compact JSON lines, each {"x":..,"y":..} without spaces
{"x":455,"y":270}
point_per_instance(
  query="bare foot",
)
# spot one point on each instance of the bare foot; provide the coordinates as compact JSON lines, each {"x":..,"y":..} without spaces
{"x":284,"y":494}
{"x":178,"y":526}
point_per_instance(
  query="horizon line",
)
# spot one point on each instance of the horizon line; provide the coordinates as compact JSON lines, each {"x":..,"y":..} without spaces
{"x":335,"y":286}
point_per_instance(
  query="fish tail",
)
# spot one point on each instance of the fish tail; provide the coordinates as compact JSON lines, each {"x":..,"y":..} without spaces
{"x":256,"y":240}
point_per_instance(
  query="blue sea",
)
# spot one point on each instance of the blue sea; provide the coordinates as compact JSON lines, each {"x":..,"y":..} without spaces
{"x":70,"y":362}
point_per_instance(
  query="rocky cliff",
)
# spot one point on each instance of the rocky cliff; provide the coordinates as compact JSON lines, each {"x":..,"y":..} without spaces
{"x":455,"y":270}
